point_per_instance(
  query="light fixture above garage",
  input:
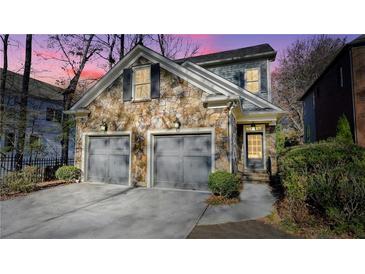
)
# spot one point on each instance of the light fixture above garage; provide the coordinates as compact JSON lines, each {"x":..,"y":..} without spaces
{"x":177,"y":123}
{"x":103,"y":126}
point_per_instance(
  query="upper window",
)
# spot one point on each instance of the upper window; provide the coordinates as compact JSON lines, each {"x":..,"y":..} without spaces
{"x":54,"y":115}
{"x":252,"y":80}
{"x":142,"y":83}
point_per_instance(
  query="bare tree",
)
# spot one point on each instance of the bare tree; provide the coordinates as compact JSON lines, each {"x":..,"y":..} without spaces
{"x":76,"y":51}
{"x":22,"y":123}
{"x":5,"y":40}
{"x":299,"y":66}
{"x":173,"y":46}
{"x":121,"y":39}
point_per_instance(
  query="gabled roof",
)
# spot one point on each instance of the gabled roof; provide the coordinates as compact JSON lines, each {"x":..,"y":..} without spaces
{"x":258,"y":51}
{"x":197,"y":76}
{"x":359,"y":41}
{"x":224,"y":83}
{"x":37,"y":88}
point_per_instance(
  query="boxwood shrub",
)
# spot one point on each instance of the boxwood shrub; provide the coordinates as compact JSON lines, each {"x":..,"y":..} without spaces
{"x":327,"y":179}
{"x":224,"y":184}
{"x":68,"y":173}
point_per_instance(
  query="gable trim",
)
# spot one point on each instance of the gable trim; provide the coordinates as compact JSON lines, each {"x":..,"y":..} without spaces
{"x":141,"y":51}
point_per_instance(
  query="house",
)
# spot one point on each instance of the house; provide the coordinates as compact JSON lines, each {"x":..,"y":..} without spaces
{"x":155,"y":122}
{"x":340,"y":89}
{"x":44,"y":114}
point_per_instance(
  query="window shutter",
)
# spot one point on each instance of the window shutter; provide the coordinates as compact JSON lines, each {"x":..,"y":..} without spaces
{"x":127,"y":85}
{"x":155,"y":81}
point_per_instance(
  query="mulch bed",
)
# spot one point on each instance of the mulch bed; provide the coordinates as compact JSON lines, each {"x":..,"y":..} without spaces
{"x":39,"y":186}
{"x":255,"y":229}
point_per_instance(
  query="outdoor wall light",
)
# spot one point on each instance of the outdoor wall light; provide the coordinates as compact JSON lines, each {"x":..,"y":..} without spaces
{"x":103,"y":126}
{"x":177,"y":123}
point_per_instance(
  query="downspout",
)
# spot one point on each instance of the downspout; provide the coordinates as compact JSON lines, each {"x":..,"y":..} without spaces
{"x":230,"y":137}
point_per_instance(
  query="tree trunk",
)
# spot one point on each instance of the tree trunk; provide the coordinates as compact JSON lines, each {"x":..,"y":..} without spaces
{"x":3,"y":82}
{"x":161,"y":40}
{"x":111,"y":60}
{"x":121,"y":50}
{"x":22,"y":122}
{"x":67,"y":100}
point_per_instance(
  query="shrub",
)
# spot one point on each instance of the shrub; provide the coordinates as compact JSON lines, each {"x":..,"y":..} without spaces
{"x":224,"y":184}
{"x":328,"y":179}
{"x":68,"y":173}
{"x":343,"y":130}
{"x":21,"y":181}
{"x":279,"y":139}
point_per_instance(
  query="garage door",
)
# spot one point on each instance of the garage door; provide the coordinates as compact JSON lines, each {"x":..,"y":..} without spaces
{"x":108,"y":160}
{"x":182,"y":161}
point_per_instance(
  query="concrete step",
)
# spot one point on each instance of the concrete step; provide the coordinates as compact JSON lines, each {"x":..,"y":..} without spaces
{"x":260,"y":177}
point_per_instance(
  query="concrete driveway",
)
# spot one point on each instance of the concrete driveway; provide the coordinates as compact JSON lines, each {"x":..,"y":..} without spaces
{"x":102,"y":211}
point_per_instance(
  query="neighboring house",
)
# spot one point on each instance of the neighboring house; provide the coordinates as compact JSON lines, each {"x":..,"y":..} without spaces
{"x":155,"y":122}
{"x":44,"y":113}
{"x":339,"y":90}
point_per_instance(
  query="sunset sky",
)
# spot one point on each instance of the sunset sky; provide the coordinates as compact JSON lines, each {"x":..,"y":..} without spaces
{"x":49,"y":70}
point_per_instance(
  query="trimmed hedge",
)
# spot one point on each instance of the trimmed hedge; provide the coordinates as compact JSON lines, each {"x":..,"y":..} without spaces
{"x":326,"y":178}
{"x":68,"y":173}
{"x":224,"y":184}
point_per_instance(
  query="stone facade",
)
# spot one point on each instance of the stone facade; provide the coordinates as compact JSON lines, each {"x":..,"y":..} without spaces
{"x":178,"y":99}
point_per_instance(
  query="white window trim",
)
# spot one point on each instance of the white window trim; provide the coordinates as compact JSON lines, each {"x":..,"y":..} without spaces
{"x":259,"y":80}
{"x":133,"y":83}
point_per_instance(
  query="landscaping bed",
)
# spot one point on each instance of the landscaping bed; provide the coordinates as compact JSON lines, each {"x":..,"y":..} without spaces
{"x":38,"y":186}
{"x":323,"y":191}
{"x":22,"y":182}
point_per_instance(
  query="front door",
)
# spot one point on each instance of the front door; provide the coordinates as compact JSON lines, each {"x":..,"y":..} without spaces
{"x":254,"y":151}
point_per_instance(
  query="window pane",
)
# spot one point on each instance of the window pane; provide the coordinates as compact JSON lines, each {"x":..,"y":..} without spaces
{"x":142,"y":91}
{"x":252,"y":75}
{"x":252,"y":86}
{"x":254,"y":145}
{"x":142,"y":76}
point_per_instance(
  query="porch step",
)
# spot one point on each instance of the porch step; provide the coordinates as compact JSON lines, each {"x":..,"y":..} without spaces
{"x":258,"y":177}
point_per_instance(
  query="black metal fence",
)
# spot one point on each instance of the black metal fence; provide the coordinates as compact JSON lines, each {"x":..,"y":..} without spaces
{"x":46,"y":166}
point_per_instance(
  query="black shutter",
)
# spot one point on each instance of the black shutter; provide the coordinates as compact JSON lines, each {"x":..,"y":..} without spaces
{"x":155,"y":81}
{"x":127,"y":84}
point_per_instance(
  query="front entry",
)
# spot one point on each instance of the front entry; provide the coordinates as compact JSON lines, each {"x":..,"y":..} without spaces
{"x":182,"y":161}
{"x":254,"y":150}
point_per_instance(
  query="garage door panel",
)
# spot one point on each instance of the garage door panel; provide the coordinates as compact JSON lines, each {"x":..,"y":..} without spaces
{"x":197,"y":145}
{"x":168,"y":145}
{"x":196,"y":171}
{"x":182,"y":161}
{"x":168,"y":170}
{"x":119,"y":146}
{"x":108,"y":159}
{"x":97,"y":171}
{"x":119,"y":169}
{"x":98,"y":145}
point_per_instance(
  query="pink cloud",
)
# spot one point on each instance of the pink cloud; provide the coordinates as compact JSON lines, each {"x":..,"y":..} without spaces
{"x":47,"y":54}
{"x":89,"y":73}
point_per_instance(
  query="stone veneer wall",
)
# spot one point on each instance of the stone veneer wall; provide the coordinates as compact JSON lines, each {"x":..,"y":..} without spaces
{"x":178,"y":99}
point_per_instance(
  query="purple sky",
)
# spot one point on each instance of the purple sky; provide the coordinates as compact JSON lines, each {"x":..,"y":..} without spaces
{"x":50,"y":71}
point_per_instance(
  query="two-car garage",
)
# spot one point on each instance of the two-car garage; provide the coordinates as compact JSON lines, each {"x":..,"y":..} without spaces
{"x":181,"y":161}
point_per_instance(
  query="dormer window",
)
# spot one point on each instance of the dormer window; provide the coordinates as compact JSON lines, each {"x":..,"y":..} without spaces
{"x":252,"y":80}
{"x":141,"y":83}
